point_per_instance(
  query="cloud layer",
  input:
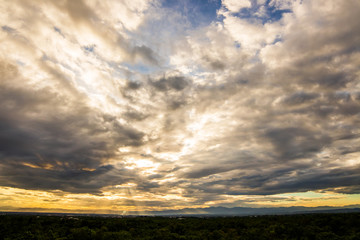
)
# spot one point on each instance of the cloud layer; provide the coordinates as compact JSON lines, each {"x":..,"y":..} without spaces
{"x":130,"y":97}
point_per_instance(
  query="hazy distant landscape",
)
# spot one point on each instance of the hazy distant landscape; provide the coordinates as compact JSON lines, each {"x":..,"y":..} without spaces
{"x":242,"y":211}
{"x":207,"y":212}
{"x":300,"y":226}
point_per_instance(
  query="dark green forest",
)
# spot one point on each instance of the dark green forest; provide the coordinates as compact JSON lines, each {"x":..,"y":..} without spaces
{"x":305,"y":226}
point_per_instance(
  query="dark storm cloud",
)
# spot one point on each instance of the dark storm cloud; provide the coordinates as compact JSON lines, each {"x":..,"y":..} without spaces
{"x":206,"y":172}
{"x":176,"y":83}
{"x":47,"y":139}
{"x":299,"y":98}
{"x":133,"y":85}
{"x":146,"y":53}
{"x":282,"y":181}
{"x":232,"y":160}
{"x":160,"y":85}
{"x":292,"y":143}
{"x":176,"y":103}
{"x":348,"y":190}
{"x":132,"y":114}
{"x":214,"y":64}
{"x":320,"y":180}
{"x":332,"y":103}
{"x":329,"y":79}
{"x":69,"y":180}
{"x":169,"y":93}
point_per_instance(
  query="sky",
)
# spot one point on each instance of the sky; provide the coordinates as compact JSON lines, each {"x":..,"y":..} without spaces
{"x":140,"y":105}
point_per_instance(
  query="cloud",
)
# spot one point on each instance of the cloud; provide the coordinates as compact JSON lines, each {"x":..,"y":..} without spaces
{"x":97,"y":97}
{"x":176,"y":83}
{"x":47,"y":139}
{"x":284,"y":120}
{"x":299,"y":98}
{"x":235,"y":6}
{"x":290,"y":143}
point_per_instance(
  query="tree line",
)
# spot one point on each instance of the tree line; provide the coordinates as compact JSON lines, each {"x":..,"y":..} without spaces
{"x":304,"y":226}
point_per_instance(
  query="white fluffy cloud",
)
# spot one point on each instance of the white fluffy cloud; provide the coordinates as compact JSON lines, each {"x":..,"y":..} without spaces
{"x":235,"y":6}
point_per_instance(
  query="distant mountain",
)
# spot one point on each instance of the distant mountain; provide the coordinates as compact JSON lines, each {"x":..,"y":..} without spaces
{"x":209,"y":212}
{"x":243,"y":211}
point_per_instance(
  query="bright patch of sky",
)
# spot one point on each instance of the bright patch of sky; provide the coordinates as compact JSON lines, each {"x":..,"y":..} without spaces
{"x":264,"y":11}
{"x":198,"y":12}
{"x":203,"y":12}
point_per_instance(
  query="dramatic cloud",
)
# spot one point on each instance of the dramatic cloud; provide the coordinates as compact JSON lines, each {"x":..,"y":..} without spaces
{"x":151,"y":104}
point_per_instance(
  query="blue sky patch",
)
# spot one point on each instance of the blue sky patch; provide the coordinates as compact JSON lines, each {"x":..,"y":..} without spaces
{"x":271,"y":13}
{"x":139,"y":68}
{"x":58,"y":30}
{"x":89,"y":48}
{"x":198,"y":12}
